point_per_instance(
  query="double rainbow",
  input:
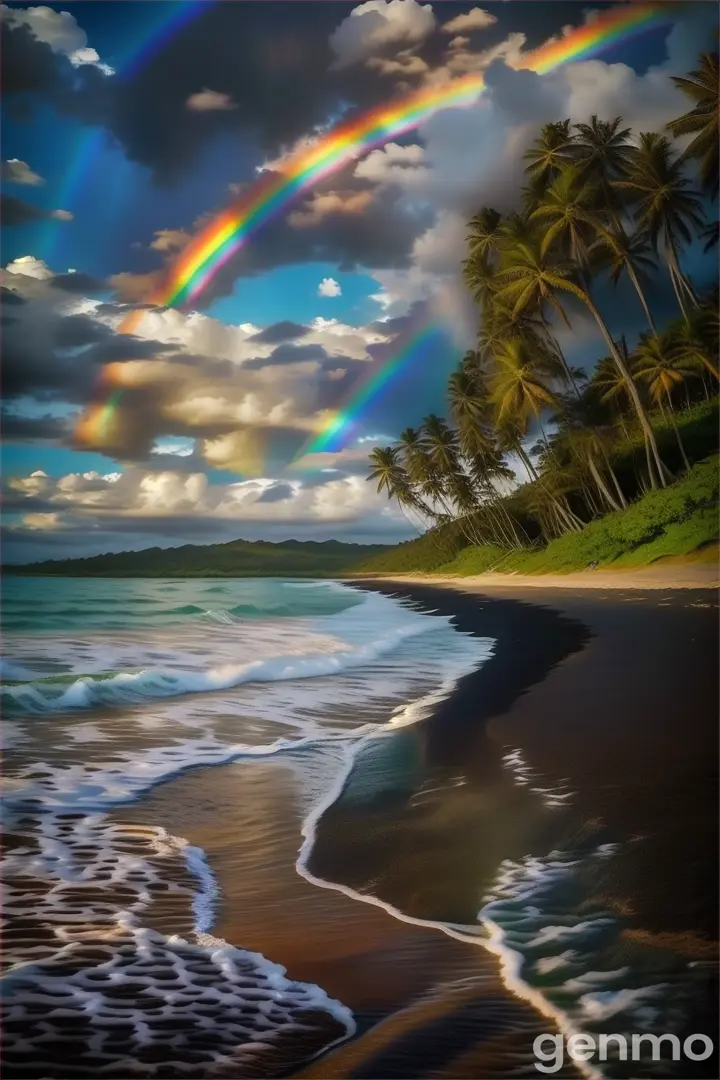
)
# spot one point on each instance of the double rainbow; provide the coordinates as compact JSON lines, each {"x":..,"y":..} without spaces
{"x":274,"y":191}
{"x":231,"y":229}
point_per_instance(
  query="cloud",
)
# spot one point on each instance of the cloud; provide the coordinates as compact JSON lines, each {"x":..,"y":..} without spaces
{"x":29,"y":266}
{"x":330,"y":230}
{"x":142,"y":497}
{"x":19,"y":172}
{"x":169,"y":240}
{"x":14,"y":211}
{"x":329,"y":287}
{"x":18,"y":428}
{"x":210,"y":101}
{"x":326,"y":204}
{"x":393,"y":163}
{"x":59,"y":30}
{"x":180,"y":377}
{"x":378,"y":24}
{"x":404,"y":64}
{"x":280,"y":331}
{"x":474,"y":19}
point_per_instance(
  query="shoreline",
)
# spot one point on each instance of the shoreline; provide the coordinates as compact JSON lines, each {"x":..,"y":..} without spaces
{"x":683,"y":575}
{"x":526,"y":695}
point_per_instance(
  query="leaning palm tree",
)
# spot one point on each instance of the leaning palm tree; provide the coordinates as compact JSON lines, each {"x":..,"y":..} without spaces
{"x":531,"y":278}
{"x":392,"y":478}
{"x":665,"y":209}
{"x":517,"y":388}
{"x":566,"y":211}
{"x":703,"y":120}
{"x":628,"y":254}
{"x":386,"y":469}
{"x":469,"y":410}
{"x":663,"y":368}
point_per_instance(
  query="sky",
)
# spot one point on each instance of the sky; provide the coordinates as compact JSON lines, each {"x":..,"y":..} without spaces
{"x":126,"y":127}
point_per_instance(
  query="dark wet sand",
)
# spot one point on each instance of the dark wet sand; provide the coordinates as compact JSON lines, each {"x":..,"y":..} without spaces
{"x":617,"y":692}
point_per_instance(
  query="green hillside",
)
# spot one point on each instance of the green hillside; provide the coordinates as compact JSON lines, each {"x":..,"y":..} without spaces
{"x":239,"y":558}
{"x":676,"y":520}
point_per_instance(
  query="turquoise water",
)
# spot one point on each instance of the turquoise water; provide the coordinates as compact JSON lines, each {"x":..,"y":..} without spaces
{"x":42,"y":605}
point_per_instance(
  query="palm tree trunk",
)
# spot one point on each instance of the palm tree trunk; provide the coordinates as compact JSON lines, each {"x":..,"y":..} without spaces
{"x":678,"y":295}
{"x":651,"y":471}
{"x":677,"y":433}
{"x":616,"y":482}
{"x":638,"y":289}
{"x":632,"y":389}
{"x":554,"y":344}
{"x":602,"y":487}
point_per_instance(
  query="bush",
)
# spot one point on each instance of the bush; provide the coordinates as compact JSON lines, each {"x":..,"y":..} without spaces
{"x":673,"y":521}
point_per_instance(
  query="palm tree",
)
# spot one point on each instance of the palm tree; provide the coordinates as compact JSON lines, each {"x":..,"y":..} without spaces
{"x":663,"y":369}
{"x":603,"y":151}
{"x":483,"y":237}
{"x":550,"y":153}
{"x":532,"y":278}
{"x":629,"y":254}
{"x":469,"y":411}
{"x":565,"y":209}
{"x":664,"y":207}
{"x":420,"y":471}
{"x":386,"y":469}
{"x":701,"y":86}
{"x":516,"y":388}
{"x":392,"y":478}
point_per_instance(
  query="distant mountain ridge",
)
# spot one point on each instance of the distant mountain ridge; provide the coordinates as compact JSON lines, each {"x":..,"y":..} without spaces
{"x":237,"y":558}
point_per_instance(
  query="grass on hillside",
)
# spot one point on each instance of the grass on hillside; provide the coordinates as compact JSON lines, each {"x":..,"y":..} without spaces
{"x":674,"y":521}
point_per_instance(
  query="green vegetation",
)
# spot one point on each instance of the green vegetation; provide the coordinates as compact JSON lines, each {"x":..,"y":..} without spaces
{"x":600,"y":449}
{"x":673,"y":521}
{"x":239,"y":558}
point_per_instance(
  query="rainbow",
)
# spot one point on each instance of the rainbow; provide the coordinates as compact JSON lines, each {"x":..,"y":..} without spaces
{"x":415,"y":346}
{"x":233,"y":227}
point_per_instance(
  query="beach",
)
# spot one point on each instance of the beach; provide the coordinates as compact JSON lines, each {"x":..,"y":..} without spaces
{"x":618,"y":694}
{"x":528,"y":847}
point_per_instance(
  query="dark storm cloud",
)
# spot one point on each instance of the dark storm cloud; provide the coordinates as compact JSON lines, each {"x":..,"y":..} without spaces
{"x":381,"y":237}
{"x":51,"y":356}
{"x":81,"y":283}
{"x":115,"y":307}
{"x":280,"y":331}
{"x":288,"y":354}
{"x":7,"y":296}
{"x":16,"y":428}
{"x":30,"y":66}
{"x":79,"y":331}
{"x":14,"y":211}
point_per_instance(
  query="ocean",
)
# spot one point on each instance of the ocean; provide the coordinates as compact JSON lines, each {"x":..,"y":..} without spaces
{"x":113,"y":689}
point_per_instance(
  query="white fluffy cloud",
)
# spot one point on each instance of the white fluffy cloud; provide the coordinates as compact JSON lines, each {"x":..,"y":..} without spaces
{"x":59,"y":30}
{"x":141,"y":495}
{"x":19,"y":172}
{"x":329,"y":287}
{"x":393,"y":163}
{"x":376,"y":24}
{"x":322,"y":205}
{"x":29,"y":266}
{"x":474,"y":19}
{"x":210,"y":101}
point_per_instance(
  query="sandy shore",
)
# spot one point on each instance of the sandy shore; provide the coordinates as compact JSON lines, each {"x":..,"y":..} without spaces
{"x":680,"y":575}
{"x":616,"y":690}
